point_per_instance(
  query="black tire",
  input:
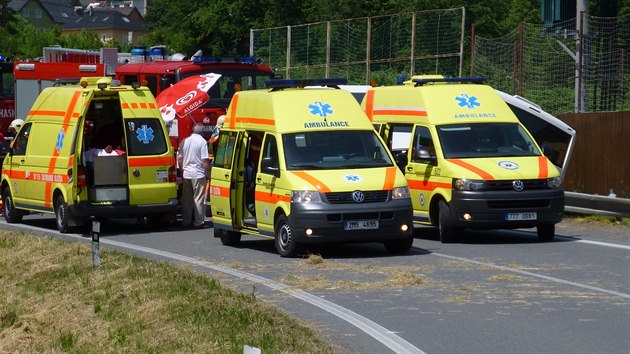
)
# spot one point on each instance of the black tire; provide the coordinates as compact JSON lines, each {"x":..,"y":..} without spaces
{"x":446,"y":224}
{"x":285,"y":243}
{"x":546,"y":232}
{"x":229,"y":238}
{"x":399,"y":246}
{"x":62,"y":215}
{"x":11,"y":214}
{"x":159,"y":221}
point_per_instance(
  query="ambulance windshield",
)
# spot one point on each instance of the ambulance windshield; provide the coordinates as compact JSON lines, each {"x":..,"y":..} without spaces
{"x":485,"y":140}
{"x":334,"y":150}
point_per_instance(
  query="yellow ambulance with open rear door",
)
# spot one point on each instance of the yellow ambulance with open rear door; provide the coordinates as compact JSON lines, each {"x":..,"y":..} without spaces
{"x":304,"y":165}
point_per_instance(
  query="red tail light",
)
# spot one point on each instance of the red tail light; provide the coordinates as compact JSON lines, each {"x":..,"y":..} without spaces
{"x":172,"y":174}
{"x":81,"y":177}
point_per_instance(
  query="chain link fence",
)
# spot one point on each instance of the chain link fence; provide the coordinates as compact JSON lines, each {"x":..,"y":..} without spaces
{"x":580,"y":65}
{"x":365,"y":49}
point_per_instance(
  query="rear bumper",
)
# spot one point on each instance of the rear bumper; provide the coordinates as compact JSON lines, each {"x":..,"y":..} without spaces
{"x":327,"y":221}
{"x":84,"y":209}
{"x":489,"y":209}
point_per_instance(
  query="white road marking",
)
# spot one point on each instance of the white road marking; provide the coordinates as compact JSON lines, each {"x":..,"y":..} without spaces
{"x":536,"y":275}
{"x":596,"y":243}
{"x":376,"y":331}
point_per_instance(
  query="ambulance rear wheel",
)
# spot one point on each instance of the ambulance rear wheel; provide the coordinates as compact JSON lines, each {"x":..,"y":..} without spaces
{"x":228,"y":238}
{"x":284,"y":240}
{"x":11,"y":214}
{"x":446,"y":224}
{"x":62,"y":215}
{"x":546,"y":232}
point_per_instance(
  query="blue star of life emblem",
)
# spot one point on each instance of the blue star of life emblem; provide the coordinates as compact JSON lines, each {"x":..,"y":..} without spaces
{"x":145,"y":134}
{"x":321,"y":109}
{"x":60,"y":136}
{"x":467,"y":101}
{"x":352,"y":178}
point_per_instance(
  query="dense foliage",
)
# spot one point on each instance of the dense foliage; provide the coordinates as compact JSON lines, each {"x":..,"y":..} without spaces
{"x":221,"y":27}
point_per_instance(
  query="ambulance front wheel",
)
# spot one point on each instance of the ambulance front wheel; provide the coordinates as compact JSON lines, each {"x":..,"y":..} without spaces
{"x":399,"y":246}
{"x":228,"y":238}
{"x":62,"y":215}
{"x":284,"y":240}
{"x":11,"y":214}
{"x":446,"y":223}
{"x":546,"y":232}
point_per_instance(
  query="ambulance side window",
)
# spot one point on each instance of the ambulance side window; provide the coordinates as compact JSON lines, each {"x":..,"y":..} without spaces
{"x":21,"y":140}
{"x":423,"y":146}
{"x":270,"y":152}
{"x":225,"y":149}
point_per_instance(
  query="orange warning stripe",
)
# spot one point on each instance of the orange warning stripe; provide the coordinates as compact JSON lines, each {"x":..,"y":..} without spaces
{"x":418,"y":112}
{"x":47,"y":113}
{"x":390,"y":178}
{"x":136,"y":105}
{"x":272,"y":198}
{"x":321,"y":186}
{"x":231,"y":117}
{"x":483,"y":174}
{"x":369,"y":104}
{"x":219,"y":191}
{"x":150,"y":161}
{"x":543,"y":167}
{"x":427,"y":185}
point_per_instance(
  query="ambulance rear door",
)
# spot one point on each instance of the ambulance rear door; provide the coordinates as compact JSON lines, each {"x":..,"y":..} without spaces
{"x":227,"y":181}
{"x":148,"y":152}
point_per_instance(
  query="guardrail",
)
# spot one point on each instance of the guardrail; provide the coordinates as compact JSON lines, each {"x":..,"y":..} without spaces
{"x":581,"y":203}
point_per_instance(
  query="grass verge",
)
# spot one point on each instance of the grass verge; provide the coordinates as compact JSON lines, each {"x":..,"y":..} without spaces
{"x":51,"y":300}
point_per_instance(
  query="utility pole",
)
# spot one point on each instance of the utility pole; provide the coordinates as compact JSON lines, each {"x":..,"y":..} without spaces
{"x":3,"y":18}
{"x":583,"y":64}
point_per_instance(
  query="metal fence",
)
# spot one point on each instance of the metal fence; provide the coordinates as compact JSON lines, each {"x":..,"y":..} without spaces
{"x":364,"y":49}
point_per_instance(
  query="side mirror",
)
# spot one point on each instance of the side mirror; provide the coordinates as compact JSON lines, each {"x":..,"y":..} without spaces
{"x":424,"y":156}
{"x":165,"y":82}
{"x":270,"y":167}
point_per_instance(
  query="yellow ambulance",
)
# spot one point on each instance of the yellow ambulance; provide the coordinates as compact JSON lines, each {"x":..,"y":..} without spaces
{"x":97,"y":149}
{"x":469,"y":162}
{"x":302,"y":165}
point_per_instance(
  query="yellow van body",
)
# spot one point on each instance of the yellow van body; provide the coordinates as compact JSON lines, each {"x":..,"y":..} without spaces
{"x":55,"y":163}
{"x":320,"y":173}
{"x":469,"y":162}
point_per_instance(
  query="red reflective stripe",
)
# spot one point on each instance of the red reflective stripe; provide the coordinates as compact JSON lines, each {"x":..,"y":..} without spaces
{"x":252,"y":120}
{"x":483,"y":174}
{"x":152,"y":105}
{"x":400,"y":112}
{"x":314,"y":181}
{"x":150,"y":161}
{"x":143,"y":105}
{"x":369,"y":104}
{"x":47,"y":113}
{"x":134,"y":105}
{"x":266,"y":197}
{"x":543,"y":167}
{"x":390,"y":178}
{"x":125,"y":105}
{"x":427,"y":185}
{"x":232,"y":116}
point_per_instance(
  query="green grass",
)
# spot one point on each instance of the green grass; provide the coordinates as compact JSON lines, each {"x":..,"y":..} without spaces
{"x":52,"y":300}
{"x":600,"y":219}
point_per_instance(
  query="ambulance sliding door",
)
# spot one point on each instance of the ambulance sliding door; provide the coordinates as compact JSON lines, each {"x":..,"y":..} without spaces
{"x":226,"y":185}
{"x":422,"y":172}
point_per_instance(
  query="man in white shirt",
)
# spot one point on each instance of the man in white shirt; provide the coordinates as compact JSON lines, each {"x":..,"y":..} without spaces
{"x":193,"y":159}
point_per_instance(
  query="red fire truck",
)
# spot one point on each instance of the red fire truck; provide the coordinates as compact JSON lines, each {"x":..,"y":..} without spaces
{"x":7,"y":95}
{"x":237,"y":73}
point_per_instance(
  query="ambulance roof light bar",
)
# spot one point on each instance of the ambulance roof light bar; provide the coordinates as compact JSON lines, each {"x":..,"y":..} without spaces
{"x":301,"y":83}
{"x":241,"y":60}
{"x":474,"y":80}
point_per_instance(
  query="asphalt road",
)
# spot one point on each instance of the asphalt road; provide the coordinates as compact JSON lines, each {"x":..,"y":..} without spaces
{"x":494,"y":292}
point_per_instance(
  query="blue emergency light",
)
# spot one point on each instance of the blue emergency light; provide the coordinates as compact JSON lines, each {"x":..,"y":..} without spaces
{"x":474,"y":80}
{"x":295,"y":83}
{"x":215,"y":60}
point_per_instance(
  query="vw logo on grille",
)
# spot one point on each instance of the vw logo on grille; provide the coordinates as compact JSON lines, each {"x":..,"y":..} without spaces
{"x":518,"y":185}
{"x":358,"y":196}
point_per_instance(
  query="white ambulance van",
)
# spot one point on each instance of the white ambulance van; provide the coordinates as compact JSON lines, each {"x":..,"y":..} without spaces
{"x":304,"y":165}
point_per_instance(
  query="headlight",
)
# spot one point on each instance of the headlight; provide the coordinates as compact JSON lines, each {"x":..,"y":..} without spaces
{"x":554,"y":182}
{"x":462,"y":184}
{"x":400,"y":193}
{"x":305,"y":197}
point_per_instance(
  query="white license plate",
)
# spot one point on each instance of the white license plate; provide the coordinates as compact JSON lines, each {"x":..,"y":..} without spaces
{"x":360,"y":225}
{"x":520,"y":216}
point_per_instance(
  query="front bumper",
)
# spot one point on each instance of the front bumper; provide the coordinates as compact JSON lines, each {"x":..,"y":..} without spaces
{"x":489,"y":209}
{"x":327,"y":221}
